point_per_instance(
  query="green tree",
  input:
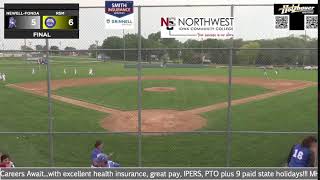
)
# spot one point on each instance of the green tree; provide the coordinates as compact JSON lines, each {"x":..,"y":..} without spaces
{"x":68,"y":48}
{"x":40,"y":47}
{"x":55,"y":49}
{"x":113,"y":42}
{"x":92,"y":49}
{"x":248,"y":56}
{"x":26,"y":48}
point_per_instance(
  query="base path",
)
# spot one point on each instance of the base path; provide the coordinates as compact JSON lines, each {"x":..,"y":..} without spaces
{"x":161,"y":120}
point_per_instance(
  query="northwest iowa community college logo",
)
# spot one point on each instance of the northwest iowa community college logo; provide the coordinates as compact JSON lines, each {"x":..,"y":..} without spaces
{"x":198,"y":27}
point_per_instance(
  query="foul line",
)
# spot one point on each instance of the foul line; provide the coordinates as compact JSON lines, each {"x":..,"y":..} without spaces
{"x":192,"y":111}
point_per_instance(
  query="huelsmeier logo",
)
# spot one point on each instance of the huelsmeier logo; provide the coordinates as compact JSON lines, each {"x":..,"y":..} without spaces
{"x":296,"y":16}
{"x":297,"y":9}
{"x":119,"y":15}
{"x":197,"y":27}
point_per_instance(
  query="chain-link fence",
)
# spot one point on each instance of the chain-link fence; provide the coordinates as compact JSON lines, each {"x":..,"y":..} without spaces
{"x":158,"y":102}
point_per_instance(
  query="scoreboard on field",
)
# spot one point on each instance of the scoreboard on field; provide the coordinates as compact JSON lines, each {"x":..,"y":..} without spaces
{"x":27,"y":21}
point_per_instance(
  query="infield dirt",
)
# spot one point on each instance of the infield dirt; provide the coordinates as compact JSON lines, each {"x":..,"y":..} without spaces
{"x":161,"y":120}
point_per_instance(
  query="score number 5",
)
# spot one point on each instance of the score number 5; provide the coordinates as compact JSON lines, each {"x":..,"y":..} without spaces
{"x":33,"y":22}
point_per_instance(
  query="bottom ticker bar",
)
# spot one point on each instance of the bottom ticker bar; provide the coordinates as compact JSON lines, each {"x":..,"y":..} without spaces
{"x":159,"y":173}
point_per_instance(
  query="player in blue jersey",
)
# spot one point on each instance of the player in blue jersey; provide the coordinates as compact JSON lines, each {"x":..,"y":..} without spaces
{"x":303,"y":155}
{"x":98,"y":147}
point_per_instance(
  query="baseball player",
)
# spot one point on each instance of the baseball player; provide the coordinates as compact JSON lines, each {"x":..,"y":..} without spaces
{"x":303,"y":155}
{"x":3,"y":77}
{"x":33,"y":71}
{"x":98,"y":149}
{"x":90,"y":72}
{"x":0,"y":76}
{"x":64,"y":71}
{"x":75,"y":71}
{"x":265,"y":73}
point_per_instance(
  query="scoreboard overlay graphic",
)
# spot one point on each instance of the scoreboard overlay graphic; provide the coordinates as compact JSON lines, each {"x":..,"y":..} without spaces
{"x":36,"y":21}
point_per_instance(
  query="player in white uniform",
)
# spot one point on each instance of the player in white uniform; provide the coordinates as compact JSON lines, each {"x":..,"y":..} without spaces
{"x":3,"y":77}
{"x":0,"y":76}
{"x":265,"y":72}
{"x":64,"y":71}
{"x":75,"y":71}
{"x":33,"y":71}
{"x":90,"y":72}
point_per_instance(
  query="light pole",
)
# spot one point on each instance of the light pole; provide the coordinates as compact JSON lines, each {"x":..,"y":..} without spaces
{"x":60,"y":47}
{"x":179,"y":55}
{"x":97,"y":43}
{"x":25,"y":48}
{"x":30,"y":45}
{"x":202,"y":56}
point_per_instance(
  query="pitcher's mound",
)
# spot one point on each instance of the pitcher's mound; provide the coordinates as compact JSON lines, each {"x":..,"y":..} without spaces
{"x":154,"y":121}
{"x":160,"y":89}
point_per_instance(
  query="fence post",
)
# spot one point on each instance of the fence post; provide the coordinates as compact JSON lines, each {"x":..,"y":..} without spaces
{"x":50,"y":123}
{"x":229,"y":115}
{"x":124,"y":46}
{"x":139,"y":88}
{"x":229,"y":120}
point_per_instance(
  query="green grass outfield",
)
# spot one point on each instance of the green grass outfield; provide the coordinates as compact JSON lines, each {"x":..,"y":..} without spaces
{"x":20,"y":111}
{"x":20,"y":71}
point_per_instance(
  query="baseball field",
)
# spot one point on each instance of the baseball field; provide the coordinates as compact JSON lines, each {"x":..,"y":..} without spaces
{"x":173,"y":100}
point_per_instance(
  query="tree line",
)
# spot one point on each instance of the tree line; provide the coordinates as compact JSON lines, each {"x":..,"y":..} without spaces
{"x":159,"y":49}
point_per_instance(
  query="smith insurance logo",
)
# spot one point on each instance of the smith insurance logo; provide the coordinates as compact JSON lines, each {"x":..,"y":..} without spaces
{"x":296,"y":9}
